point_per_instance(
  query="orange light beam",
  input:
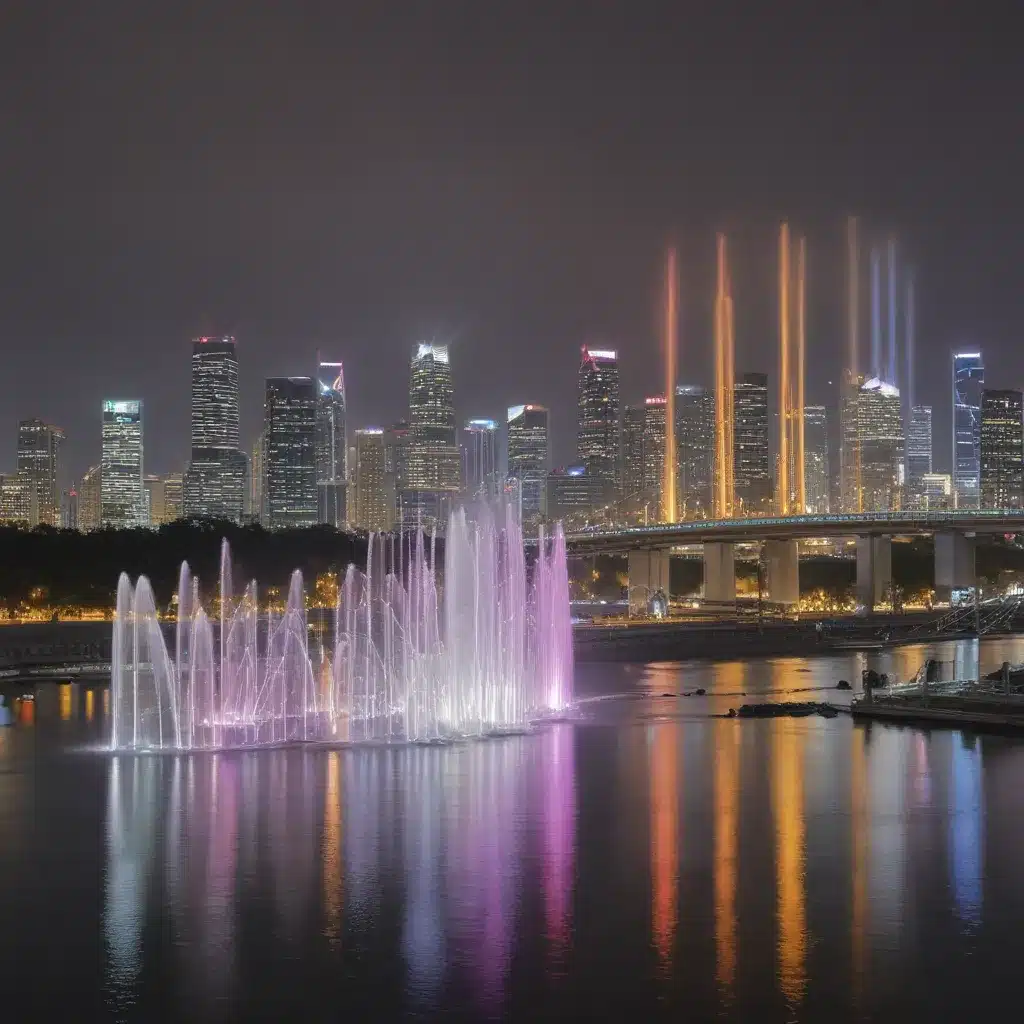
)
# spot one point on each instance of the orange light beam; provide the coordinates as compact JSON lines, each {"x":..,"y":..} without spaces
{"x":784,"y":397}
{"x":668,"y":483}
{"x":801,"y":344}
{"x":730,"y":390}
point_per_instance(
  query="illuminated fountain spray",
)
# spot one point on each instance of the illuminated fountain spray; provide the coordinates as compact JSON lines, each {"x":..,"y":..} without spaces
{"x":410,"y":660}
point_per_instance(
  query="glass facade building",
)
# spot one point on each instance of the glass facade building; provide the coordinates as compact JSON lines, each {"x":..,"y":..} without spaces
{"x":1002,"y":449}
{"x":374,"y":505}
{"x":968,"y":384}
{"x":331,"y":444}
{"x":816,"y":459}
{"x":528,"y":459}
{"x":38,"y":454}
{"x":880,"y":428}
{"x":695,"y":450}
{"x":480,"y":457}
{"x":289,"y":452}
{"x":598,"y":438}
{"x":122,"y":496}
{"x":752,"y":466}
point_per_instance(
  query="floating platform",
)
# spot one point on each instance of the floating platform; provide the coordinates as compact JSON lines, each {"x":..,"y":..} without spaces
{"x":976,"y":710}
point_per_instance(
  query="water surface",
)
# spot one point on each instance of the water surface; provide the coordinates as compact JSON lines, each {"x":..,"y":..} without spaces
{"x":648,"y":862}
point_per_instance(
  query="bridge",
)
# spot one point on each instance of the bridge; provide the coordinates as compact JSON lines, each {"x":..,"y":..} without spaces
{"x":647,"y":548}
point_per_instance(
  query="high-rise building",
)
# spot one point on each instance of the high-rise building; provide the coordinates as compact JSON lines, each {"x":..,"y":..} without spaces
{"x":15,"y":499}
{"x":215,"y":479}
{"x":374,"y":506}
{"x":968,"y":383}
{"x":38,"y":449}
{"x":122,"y":497}
{"x":634,"y":418}
{"x":90,"y":500}
{"x":331,"y":444}
{"x":919,"y":448}
{"x":937,"y":492}
{"x":654,"y":454}
{"x":572,"y":493}
{"x":850,"y":495}
{"x":1002,"y":449}
{"x":752,"y":466}
{"x":290,"y":452}
{"x":880,"y":427}
{"x":816,"y":459}
{"x":174,"y":498}
{"x":69,"y":509}
{"x":258,"y":480}
{"x":695,"y":450}
{"x":480,"y":456}
{"x":434,"y":464}
{"x":598,"y":442}
{"x":528,"y":459}
{"x":153,"y":485}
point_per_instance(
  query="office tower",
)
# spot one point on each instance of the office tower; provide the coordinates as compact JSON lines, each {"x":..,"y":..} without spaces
{"x":38,"y":448}
{"x":396,"y":452}
{"x":598,"y":441}
{"x":528,"y":459}
{"x":258,"y":481}
{"x":919,"y":450}
{"x":816,"y":459}
{"x":880,"y":427}
{"x":122,"y":498}
{"x":572,"y":494}
{"x":215,"y":479}
{"x":695,"y":450}
{"x":15,"y":500}
{"x":69,"y":510}
{"x":752,"y":459}
{"x":655,"y":415}
{"x":433,"y":468}
{"x":174,"y":497}
{"x":968,"y":383}
{"x":290,"y":452}
{"x":480,"y":457}
{"x":633,"y":419}
{"x":90,"y":500}
{"x":937,"y":492}
{"x":331,"y":444}
{"x":373,"y":504}
{"x":154,"y":487}
{"x":1002,"y":449}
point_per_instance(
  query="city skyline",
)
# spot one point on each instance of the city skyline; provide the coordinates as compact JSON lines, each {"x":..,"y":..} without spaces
{"x":512,"y":230}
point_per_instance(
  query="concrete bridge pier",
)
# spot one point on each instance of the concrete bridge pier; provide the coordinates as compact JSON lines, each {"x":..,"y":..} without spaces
{"x":782,"y":571}
{"x":954,"y":563}
{"x":874,"y":571}
{"x":719,"y":574}
{"x":648,"y":573}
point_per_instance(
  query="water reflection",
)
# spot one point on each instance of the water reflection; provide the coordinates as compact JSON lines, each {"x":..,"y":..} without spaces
{"x":727,"y":783}
{"x":965,"y":830}
{"x":664,"y":774}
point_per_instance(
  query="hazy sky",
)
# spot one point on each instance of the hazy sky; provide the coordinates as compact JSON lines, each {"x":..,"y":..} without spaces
{"x":355,"y":177}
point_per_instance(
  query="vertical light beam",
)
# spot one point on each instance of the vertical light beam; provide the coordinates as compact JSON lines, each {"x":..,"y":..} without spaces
{"x":876,"y":314}
{"x":852,"y":293}
{"x":725,"y":372}
{"x":784,"y":394}
{"x":801,"y":346}
{"x":911,"y":327}
{"x":668,"y":482}
{"x":892,"y":311}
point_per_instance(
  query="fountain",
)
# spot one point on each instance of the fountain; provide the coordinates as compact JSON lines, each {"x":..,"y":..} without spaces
{"x":411,"y":660}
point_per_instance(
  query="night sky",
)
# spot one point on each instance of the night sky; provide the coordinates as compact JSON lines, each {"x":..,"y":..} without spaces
{"x":504,"y":177}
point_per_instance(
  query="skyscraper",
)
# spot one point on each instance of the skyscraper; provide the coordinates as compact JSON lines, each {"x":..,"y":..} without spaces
{"x":751,"y":459}
{"x":38,"y":449}
{"x":90,"y":500}
{"x":373,"y":504}
{"x":968,"y":383}
{"x":331,"y":444}
{"x":122,"y":498}
{"x":1002,"y":449}
{"x":598,"y":441}
{"x":69,"y":509}
{"x":851,"y":498}
{"x":634,"y":418}
{"x":215,"y":480}
{"x":919,"y":450}
{"x":816,"y":459}
{"x":654,"y":453}
{"x":434,"y":463}
{"x":290,"y":452}
{"x":695,"y":450}
{"x":880,"y":427}
{"x":528,"y":459}
{"x":480,"y":456}
{"x":15,"y":500}
{"x":174,"y":497}
{"x":153,"y":485}
{"x":258,"y":480}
